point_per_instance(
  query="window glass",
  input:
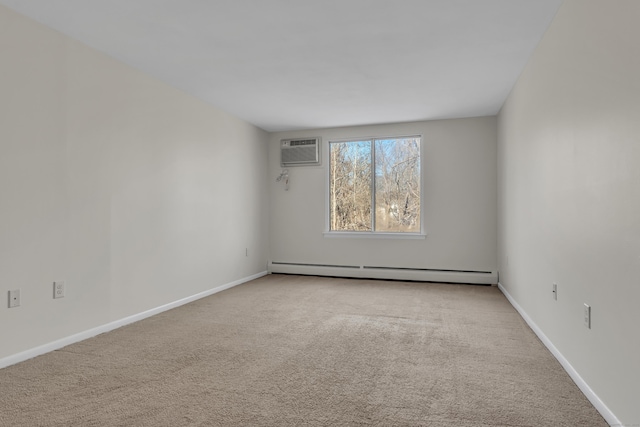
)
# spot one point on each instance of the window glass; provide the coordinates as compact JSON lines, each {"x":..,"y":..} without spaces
{"x":350,"y":186}
{"x":397,"y":185}
{"x":384,"y":198}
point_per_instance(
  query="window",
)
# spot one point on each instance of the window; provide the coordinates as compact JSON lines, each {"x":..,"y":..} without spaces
{"x":374,"y":185}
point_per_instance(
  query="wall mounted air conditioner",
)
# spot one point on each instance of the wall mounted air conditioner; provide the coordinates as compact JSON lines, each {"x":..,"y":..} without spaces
{"x":300,"y":152}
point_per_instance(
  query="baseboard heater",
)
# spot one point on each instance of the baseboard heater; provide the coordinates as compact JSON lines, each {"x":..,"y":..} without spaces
{"x":392,"y":273}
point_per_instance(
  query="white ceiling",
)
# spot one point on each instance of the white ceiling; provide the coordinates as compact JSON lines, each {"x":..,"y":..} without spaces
{"x":295,"y":64}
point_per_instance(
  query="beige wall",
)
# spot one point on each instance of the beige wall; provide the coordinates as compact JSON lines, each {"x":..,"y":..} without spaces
{"x":459,"y":198}
{"x":132,"y":192}
{"x":569,"y":185}
{"x":138,"y":195}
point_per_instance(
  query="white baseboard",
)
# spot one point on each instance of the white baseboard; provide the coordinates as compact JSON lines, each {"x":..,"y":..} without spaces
{"x":606,"y":413}
{"x":63,"y":342}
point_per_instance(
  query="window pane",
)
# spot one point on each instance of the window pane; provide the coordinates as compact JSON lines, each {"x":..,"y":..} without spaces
{"x":397,"y":185}
{"x":350,"y":186}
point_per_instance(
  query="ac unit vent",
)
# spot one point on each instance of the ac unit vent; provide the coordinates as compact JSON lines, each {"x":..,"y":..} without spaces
{"x":299,"y":152}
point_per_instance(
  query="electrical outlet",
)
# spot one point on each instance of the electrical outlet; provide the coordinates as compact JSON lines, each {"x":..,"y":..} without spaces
{"x":14,"y":298}
{"x":58,"y":290}
{"x":587,"y":315}
{"x":555,"y":291}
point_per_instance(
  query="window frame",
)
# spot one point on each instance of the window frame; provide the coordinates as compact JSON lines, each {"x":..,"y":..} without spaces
{"x":422,"y":234}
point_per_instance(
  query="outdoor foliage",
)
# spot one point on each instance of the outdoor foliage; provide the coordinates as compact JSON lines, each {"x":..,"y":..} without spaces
{"x":396,"y":187}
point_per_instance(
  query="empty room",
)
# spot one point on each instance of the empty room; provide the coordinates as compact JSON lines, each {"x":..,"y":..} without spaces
{"x":321,"y":213}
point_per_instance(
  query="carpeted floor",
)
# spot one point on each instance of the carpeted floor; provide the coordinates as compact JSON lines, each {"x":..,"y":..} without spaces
{"x":307,"y":351}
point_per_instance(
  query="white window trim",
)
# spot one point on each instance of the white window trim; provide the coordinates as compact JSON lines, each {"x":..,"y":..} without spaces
{"x":372,"y":234}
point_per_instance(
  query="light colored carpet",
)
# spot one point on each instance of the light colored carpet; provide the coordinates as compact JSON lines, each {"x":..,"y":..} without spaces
{"x":307,"y":351}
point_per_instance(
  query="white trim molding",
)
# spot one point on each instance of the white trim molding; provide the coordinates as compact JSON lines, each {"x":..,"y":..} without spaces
{"x":81,"y":336}
{"x":371,"y":235}
{"x":606,"y":413}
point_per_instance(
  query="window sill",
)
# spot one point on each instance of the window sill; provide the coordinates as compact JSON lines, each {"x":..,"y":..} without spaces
{"x":370,"y":235}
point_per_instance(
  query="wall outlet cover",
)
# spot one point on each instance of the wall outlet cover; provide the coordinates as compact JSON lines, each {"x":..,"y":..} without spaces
{"x":58,"y":290}
{"x":14,"y":298}
{"x":587,"y":315}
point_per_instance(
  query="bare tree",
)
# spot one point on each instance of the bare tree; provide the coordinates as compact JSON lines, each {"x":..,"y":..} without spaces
{"x":350,"y":186}
{"x":397,"y":185}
